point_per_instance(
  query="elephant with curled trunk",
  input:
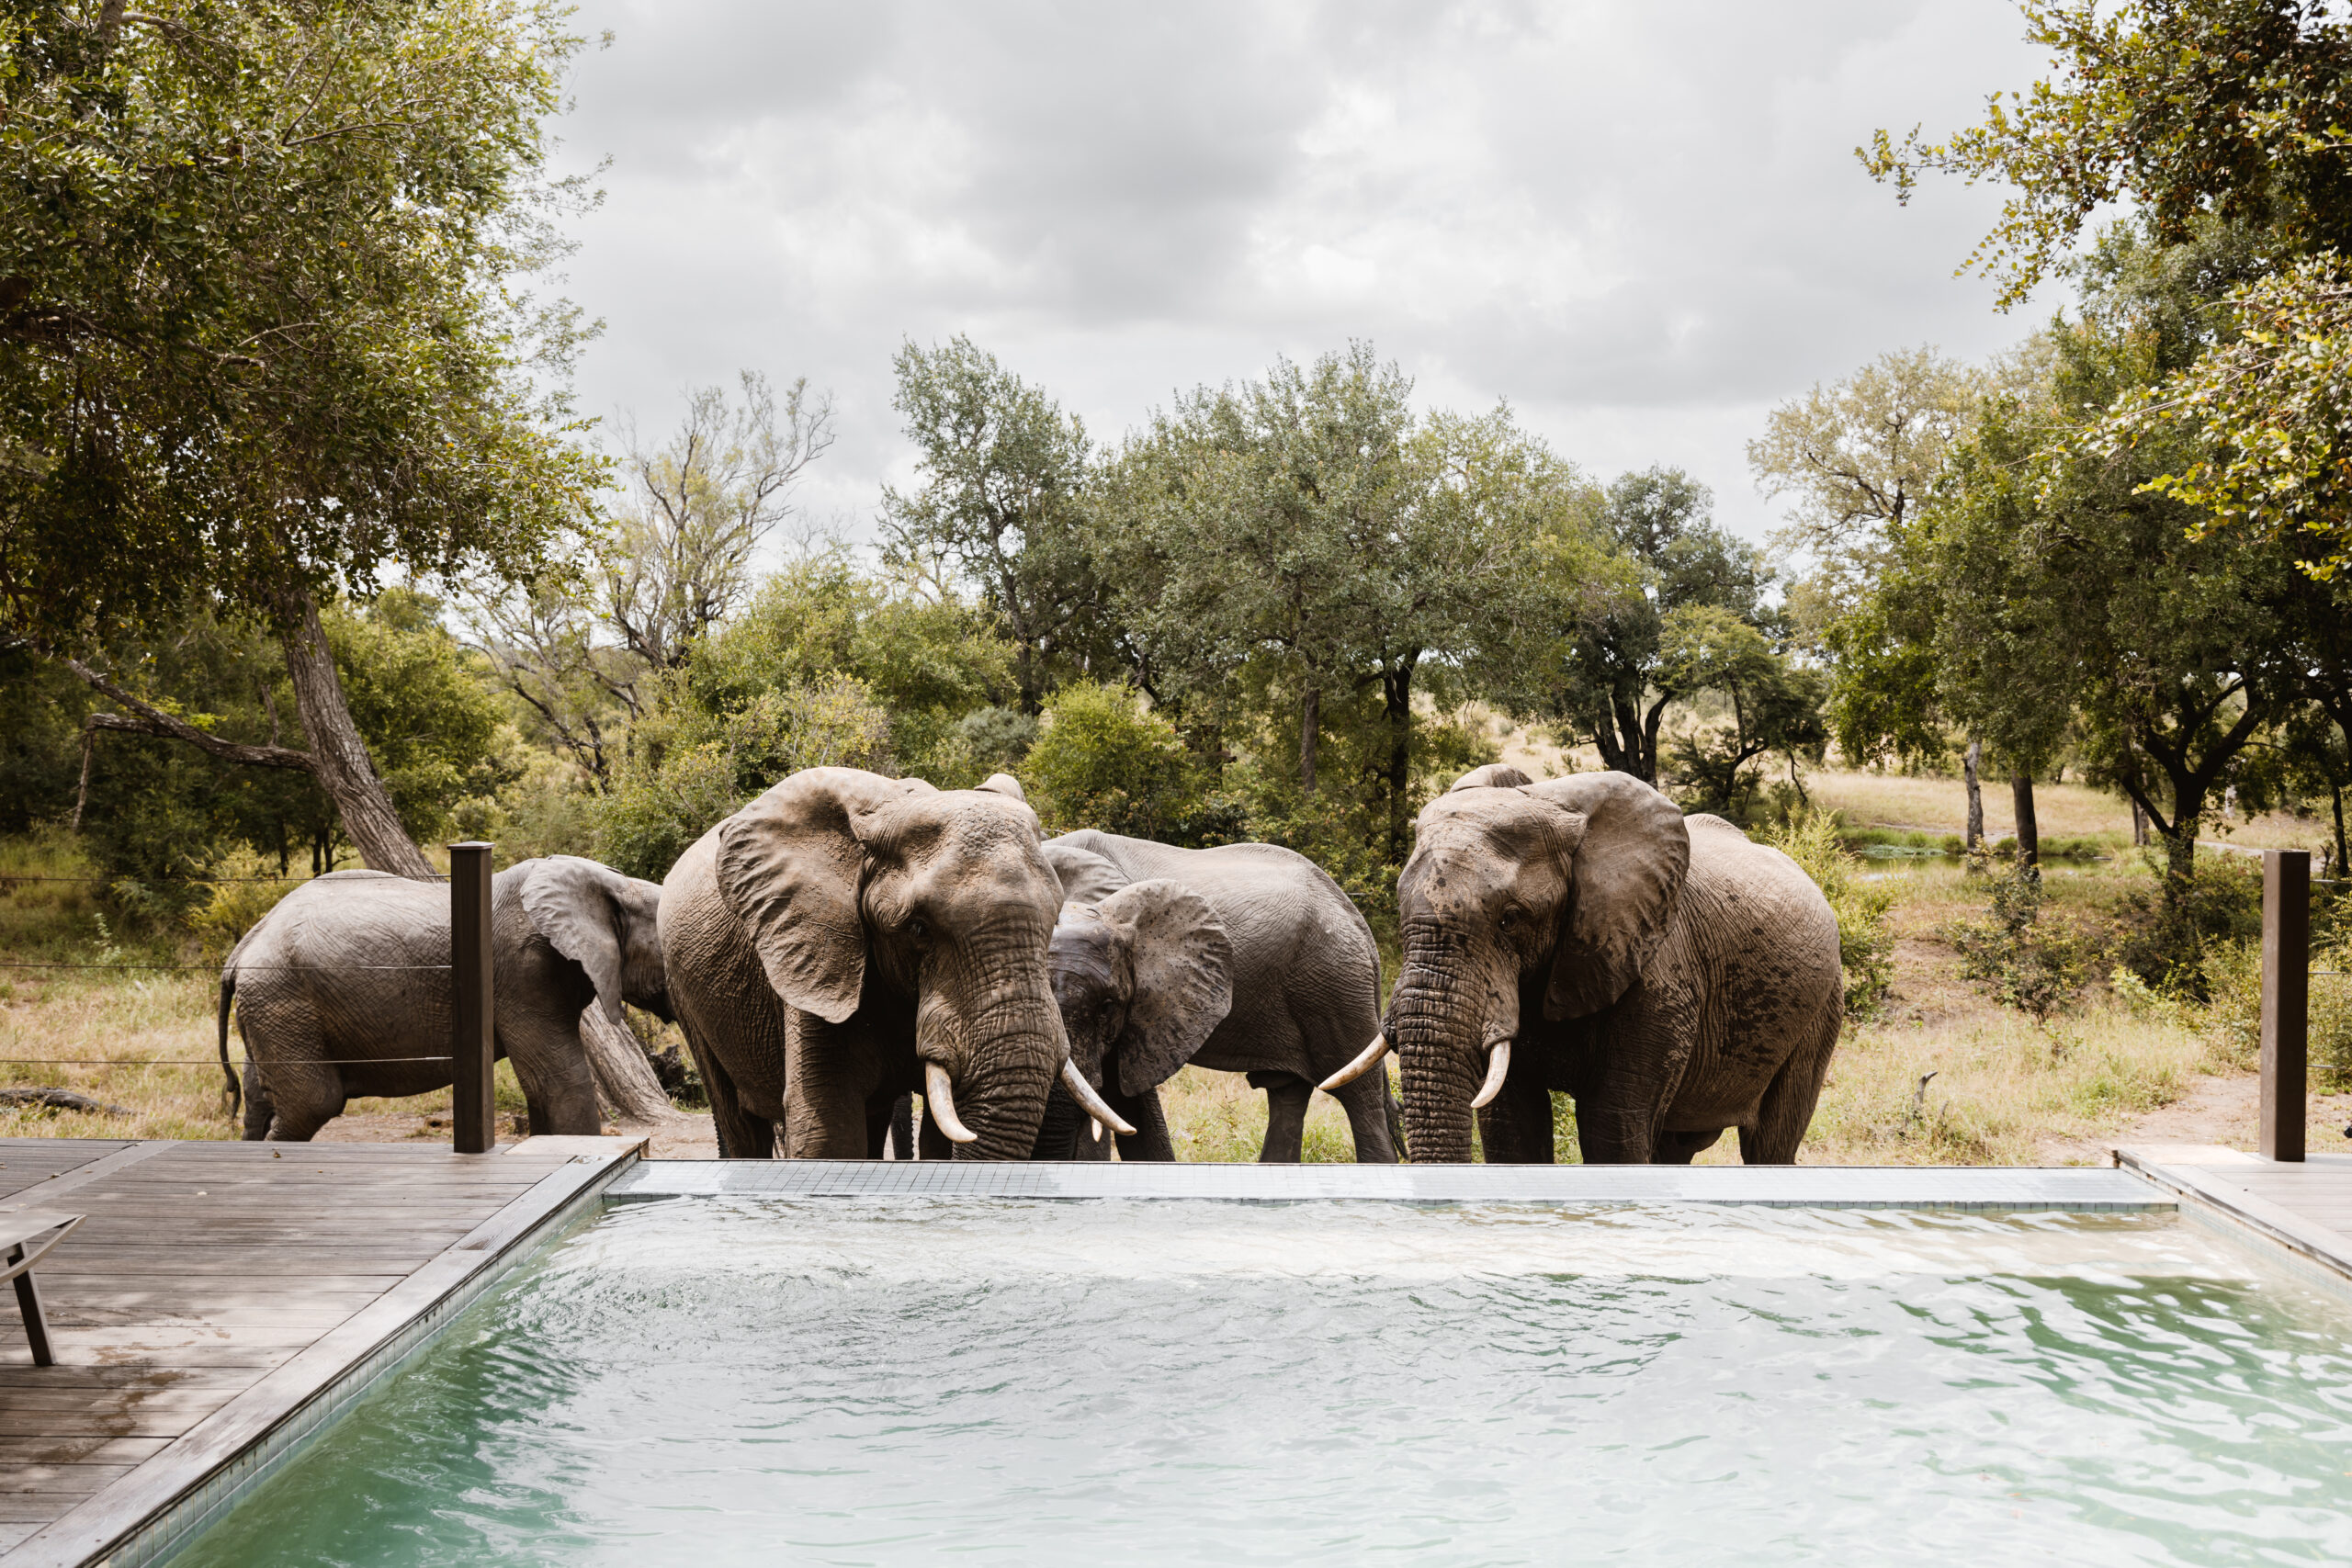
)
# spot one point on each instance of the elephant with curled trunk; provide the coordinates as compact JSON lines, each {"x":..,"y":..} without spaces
{"x":846,"y":939}
{"x":1245,"y":958}
{"x":1582,"y":934}
{"x":343,"y":990}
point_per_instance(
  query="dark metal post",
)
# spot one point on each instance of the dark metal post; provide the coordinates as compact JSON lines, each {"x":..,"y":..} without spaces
{"x":473,"y":1106}
{"x":29,"y":1303}
{"x":2285,"y":998}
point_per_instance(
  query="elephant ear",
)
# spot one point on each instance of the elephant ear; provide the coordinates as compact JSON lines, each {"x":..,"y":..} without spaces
{"x":1086,"y":877}
{"x":574,"y":904}
{"x":791,"y":865}
{"x":1494,"y":776}
{"x":1004,"y":784}
{"x":1628,"y":872}
{"x":1182,"y":963}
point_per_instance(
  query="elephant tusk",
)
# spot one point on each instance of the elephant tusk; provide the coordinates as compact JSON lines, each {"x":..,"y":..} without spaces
{"x":1357,"y":1068}
{"x":1096,"y":1106}
{"x":1094,"y":1131}
{"x":939,"y":1097}
{"x":1497,"y":1070}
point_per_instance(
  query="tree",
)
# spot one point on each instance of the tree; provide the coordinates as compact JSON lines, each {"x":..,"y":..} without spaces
{"x":1000,"y":502}
{"x":1856,"y":458}
{"x":1648,"y":550}
{"x":678,"y":556}
{"x":2196,"y":113}
{"x":1103,"y":759}
{"x":260,"y":268}
{"x":1775,"y":703}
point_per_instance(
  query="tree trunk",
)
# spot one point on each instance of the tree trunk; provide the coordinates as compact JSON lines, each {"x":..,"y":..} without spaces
{"x":1310,"y":710}
{"x":340,"y":757}
{"x":2138,"y":825}
{"x":1397,"y":689}
{"x":2029,"y":831}
{"x":2336,"y":794}
{"x":1970,"y":763}
{"x":625,"y":1079}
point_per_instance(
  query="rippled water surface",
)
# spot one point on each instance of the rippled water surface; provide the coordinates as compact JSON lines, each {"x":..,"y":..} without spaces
{"x":711,"y":1383}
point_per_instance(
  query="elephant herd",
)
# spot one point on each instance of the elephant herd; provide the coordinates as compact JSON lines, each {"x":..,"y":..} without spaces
{"x":847,"y":941}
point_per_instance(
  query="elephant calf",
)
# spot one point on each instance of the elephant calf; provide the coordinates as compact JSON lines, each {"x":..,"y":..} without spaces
{"x":343,"y":989}
{"x":1581,"y":934}
{"x":1244,"y":958}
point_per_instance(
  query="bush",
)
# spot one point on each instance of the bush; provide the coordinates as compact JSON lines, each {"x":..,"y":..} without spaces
{"x":1103,"y":759}
{"x":2035,"y":965}
{"x":2231,"y":978}
{"x":2166,"y":941}
{"x":1865,"y":946}
{"x":659,"y":807}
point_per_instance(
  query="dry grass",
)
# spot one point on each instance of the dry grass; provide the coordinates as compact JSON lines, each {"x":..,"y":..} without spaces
{"x":2065,"y":810}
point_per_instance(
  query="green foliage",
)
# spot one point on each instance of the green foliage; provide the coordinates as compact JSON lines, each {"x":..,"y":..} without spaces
{"x":2164,"y":931}
{"x":266,"y":338}
{"x":1865,"y":944}
{"x":711,"y":764}
{"x":431,"y":729}
{"x":2036,"y":965}
{"x":1003,"y":470}
{"x":1774,"y":703}
{"x":2229,"y":975}
{"x":1103,"y":759}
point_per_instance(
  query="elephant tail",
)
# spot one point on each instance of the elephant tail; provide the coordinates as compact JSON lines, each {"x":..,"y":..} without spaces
{"x":235,"y":1092}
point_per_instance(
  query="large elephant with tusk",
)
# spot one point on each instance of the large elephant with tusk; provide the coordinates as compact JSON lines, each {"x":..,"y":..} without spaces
{"x":845,"y":939}
{"x":1244,"y":958}
{"x":1582,"y":934}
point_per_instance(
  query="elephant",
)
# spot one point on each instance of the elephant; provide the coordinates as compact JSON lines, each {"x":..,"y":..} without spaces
{"x":1142,"y":978}
{"x":1582,"y":934}
{"x":343,"y":989}
{"x":845,"y":939}
{"x":1140,"y":998}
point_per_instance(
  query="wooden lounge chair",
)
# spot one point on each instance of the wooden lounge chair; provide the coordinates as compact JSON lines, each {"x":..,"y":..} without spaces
{"x":25,"y":1240}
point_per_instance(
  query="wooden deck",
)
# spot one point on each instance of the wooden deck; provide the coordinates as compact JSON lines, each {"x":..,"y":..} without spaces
{"x":224,"y":1295}
{"x":2304,"y":1206}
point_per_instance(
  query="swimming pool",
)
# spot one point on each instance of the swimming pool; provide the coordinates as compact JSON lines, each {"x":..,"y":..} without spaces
{"x":882,"y":1380}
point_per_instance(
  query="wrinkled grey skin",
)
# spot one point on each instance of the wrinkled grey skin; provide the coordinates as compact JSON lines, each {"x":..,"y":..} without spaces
{"x":830,"y":937}
{"x":1304,"y":981}
{"x":1673,"y":976}
{"x":352,"y":970}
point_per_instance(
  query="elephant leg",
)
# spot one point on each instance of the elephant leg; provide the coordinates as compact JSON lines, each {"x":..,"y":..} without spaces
{"x":1515,"y":1128}
{"x":1150,"y":1140}
{"x":1786,"y":1112}
{"x":930,"y":1143}
{"x":1286,"y":1098}
{"x":741,"y":1135}
{"x":1396,"y":1114}
{"x":258,"y":1110}
{"x":1367,"y":1103}
{"x":902,"y":1126}
{"x":552,"y":1067}
{"x":877,"y":1126}
{"x":297,"y":1120}
{"x":1680,"y":1148}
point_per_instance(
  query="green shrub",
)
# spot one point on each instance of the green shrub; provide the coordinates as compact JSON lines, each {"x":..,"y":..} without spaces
{"x":2038,"y":966}
{"x":1865,"y":945}
{"x":659,"y":807}
{"x":1103,"y":759}
{"x":2231,"y":978}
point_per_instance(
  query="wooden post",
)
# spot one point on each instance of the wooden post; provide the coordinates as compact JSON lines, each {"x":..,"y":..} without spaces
{"x":474,"y":1119}
{"x":2285,"y":998}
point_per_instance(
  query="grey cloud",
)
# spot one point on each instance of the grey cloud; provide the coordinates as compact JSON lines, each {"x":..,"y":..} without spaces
{"x":1620,"y":217}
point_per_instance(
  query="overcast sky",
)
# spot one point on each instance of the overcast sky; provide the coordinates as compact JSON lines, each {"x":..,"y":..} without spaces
{"x":1643,"y":224}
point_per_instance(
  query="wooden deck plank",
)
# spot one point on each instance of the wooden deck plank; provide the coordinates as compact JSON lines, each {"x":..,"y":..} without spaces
{"x":212,"y":1288}
{"x":2305,"y":1205}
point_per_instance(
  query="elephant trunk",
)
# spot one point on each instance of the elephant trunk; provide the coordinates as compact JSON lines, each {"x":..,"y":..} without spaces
{"x":1452,"y":1043}
{"x":991,"y":1070}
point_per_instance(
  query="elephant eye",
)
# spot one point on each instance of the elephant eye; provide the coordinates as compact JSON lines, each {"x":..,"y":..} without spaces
{"x":917,"y":929}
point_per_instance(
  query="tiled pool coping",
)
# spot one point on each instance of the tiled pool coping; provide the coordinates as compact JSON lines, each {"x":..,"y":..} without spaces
{"x":2082,"y":1189}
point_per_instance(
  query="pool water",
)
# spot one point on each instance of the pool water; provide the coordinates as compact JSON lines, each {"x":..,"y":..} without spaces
{"x":713,"y":1383}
